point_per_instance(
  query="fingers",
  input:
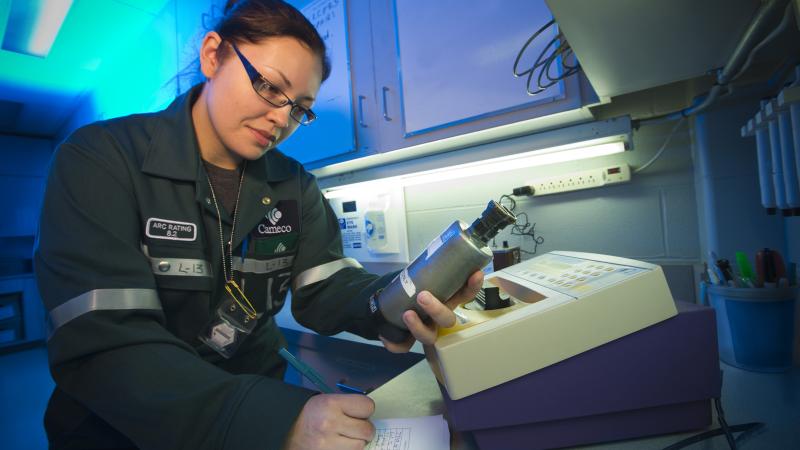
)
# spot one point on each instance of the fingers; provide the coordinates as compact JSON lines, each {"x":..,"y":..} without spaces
{"x":440,"y":313}
{"x":356,"y":409}
{"x":468,"y":292}
{"x":360,"y":429}
{"x":333,"y":421}
{"x":421,"y":332}
{"x":398,"y":347}
{"x":356,"y":406}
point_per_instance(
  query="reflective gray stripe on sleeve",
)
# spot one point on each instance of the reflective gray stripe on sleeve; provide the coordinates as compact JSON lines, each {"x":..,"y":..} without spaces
{"x":105,"y":300}
{"x":262,"y":266}
{"x":323,"y":271}
{"x":182,"y":267}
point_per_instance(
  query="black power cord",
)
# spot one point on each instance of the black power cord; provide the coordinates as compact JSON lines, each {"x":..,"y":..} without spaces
{"x":560,"y":48}
{"x":522,"y":228}
{"x":747,"y":430}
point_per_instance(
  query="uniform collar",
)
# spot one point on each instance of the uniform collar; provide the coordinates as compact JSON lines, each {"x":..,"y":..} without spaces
{"x":174,"y":152}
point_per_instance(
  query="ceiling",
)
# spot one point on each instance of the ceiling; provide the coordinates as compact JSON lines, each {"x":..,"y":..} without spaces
{"x":38,"y":95}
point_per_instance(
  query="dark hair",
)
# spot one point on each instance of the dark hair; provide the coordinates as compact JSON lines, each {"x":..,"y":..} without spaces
{"x":254,"y":20}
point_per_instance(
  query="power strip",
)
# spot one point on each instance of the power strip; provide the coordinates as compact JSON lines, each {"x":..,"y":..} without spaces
{"x":585,"y":179}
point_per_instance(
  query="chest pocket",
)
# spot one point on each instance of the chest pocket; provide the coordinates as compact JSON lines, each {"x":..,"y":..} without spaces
{"x":265,"y":279}
{"x":184,"y":279}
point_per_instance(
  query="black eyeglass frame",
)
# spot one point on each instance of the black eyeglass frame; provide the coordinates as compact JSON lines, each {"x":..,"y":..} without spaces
{"x":256,"y":77}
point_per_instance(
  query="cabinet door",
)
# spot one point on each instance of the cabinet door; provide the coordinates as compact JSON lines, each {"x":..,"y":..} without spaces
{"x":444,"y":68}
{"x":365,"y":106}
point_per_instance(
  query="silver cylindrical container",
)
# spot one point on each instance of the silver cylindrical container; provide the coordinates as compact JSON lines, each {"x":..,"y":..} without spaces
{"x":442,"y":268}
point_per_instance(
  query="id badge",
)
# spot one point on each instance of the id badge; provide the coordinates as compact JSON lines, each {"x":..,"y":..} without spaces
{"x":223,"y":337}
{"x":228,"y":329}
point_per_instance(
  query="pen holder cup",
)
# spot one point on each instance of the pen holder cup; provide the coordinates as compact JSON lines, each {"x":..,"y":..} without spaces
{"x":755,"y":326}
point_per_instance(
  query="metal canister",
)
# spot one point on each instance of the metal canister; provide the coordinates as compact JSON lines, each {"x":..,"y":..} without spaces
{"x":442,"y":268}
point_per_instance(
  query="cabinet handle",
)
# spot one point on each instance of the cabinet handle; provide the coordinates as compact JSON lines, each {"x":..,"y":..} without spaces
{"x":385,"y":112}
{"x":361,"y":111}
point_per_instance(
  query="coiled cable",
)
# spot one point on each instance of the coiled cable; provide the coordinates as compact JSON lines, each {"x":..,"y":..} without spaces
{"x":559,"y":50}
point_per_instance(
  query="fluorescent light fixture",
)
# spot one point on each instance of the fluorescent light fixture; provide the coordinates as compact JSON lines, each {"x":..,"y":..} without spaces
{"x":552,"y":155}
{"x":536,"y":158}
{"x":33,"y":25}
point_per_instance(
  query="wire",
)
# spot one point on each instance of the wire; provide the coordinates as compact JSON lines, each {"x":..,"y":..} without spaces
{"x":560,"y":47}
{"x":525,"y":228}
{"x":663,"y":147}
{"x":513,"y":204}
{"x":723,"y":76}
{"x":747,"y":430}
{"x":787,"y":16}
{"x":543,"y":64}
{"x":723,"y":424}
{"x":524,"y":47}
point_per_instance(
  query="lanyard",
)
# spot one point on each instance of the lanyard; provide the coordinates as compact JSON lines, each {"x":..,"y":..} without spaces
{"x":231,"y":287}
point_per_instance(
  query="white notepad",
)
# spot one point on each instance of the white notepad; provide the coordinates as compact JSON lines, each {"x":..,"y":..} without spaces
{"x":414,"y":433}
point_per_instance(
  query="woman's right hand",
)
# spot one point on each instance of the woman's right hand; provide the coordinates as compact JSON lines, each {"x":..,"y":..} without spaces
{"x":333,"y":421}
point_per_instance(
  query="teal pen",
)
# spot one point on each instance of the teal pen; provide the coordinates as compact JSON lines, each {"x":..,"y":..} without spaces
{"x":306,"y":370}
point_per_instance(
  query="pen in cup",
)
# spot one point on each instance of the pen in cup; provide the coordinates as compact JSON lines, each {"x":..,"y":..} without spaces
{"x":748,"y":277}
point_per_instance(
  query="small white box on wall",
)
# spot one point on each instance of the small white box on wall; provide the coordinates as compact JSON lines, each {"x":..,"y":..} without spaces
{"x":372,"y":220}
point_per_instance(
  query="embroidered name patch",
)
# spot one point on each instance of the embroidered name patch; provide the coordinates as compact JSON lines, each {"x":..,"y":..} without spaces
{"x":170,"y":229}
{"x":280,"y":220}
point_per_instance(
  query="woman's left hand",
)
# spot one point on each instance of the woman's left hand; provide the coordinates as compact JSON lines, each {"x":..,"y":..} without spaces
{"x":441,"y":314}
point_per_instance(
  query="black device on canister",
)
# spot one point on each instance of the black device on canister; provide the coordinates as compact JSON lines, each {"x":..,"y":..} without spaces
{"x":442,"y":269}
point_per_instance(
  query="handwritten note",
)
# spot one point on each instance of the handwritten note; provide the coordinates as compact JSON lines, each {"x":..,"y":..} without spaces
{"x":429,"y":433}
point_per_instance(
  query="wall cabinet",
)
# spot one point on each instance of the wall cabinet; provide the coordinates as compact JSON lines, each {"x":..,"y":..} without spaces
{"x":425,"y":71}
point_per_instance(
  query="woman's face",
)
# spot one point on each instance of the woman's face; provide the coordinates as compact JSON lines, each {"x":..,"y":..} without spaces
{"x":245,"y":124}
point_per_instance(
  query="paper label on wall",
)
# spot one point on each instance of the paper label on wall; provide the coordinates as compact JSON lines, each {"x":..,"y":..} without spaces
{"x":351,"y":233}
{"x":407,"y":283}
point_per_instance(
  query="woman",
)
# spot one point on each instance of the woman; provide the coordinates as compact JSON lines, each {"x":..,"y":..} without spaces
{"x":167,"y":243}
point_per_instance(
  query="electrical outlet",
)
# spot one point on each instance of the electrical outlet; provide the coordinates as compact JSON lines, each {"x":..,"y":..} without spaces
{"x":584,"y":179}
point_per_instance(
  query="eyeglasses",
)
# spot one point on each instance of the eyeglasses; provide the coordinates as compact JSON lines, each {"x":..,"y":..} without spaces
{"x":272,"y":94}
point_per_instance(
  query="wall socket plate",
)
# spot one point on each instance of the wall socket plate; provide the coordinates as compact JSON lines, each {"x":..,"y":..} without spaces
{"x":584,"y":179}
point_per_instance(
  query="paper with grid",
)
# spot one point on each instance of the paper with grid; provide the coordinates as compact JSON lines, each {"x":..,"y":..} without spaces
{"x":417,"y":433}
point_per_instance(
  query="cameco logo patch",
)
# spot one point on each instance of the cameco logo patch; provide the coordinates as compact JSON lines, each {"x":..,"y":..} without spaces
{"x":280,"y":220}
{"x":274,"y":216}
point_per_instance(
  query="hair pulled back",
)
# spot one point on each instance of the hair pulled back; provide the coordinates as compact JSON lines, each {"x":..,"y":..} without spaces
{"x":255,"y":20}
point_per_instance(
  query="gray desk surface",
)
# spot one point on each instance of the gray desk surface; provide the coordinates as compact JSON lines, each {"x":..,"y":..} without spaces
{"x":747,"y":397}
